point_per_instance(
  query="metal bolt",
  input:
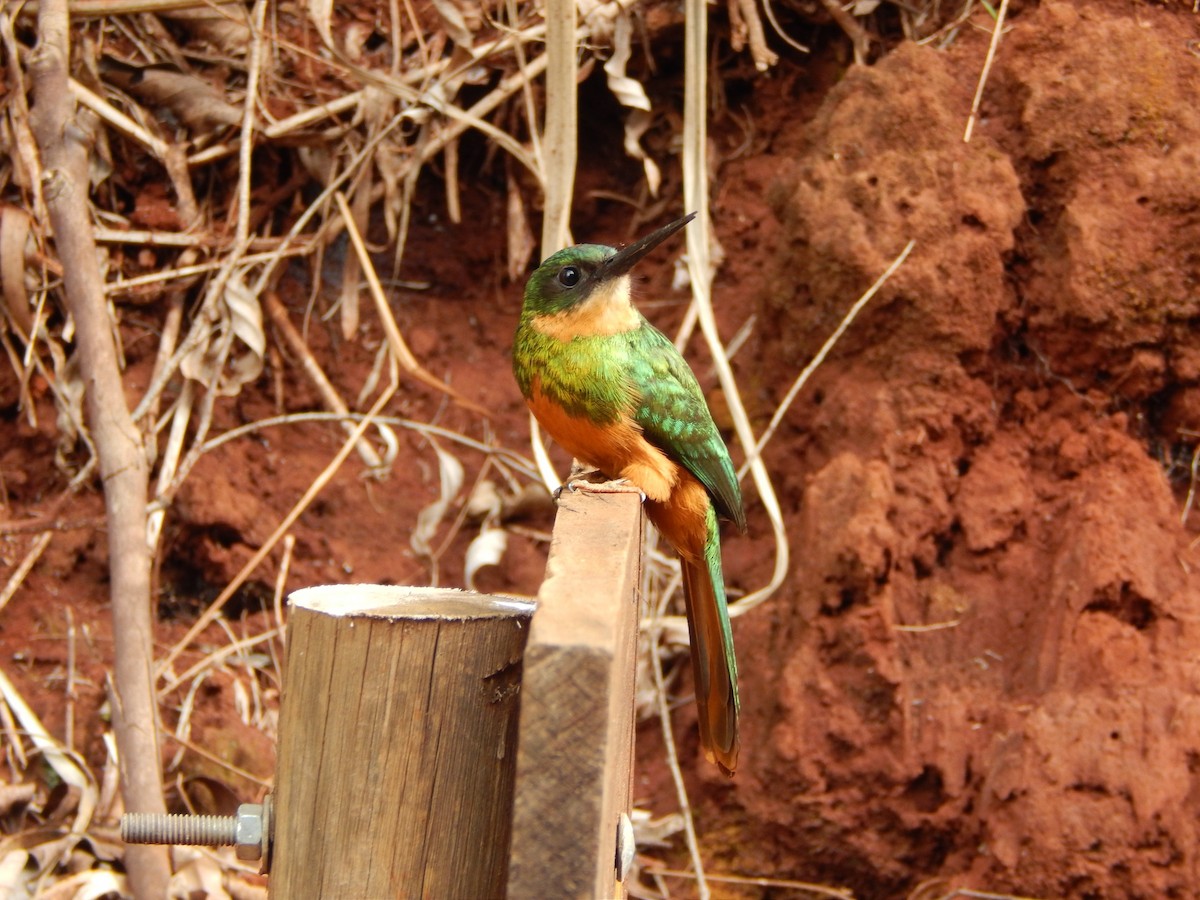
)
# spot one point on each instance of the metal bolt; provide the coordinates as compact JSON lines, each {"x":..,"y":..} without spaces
{"x":626,"y":846}
{"x":248,"y":830}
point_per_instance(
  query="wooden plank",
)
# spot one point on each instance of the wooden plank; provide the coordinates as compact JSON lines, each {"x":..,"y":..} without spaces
{"x":397,"y":740}
{"x":575,"y":753}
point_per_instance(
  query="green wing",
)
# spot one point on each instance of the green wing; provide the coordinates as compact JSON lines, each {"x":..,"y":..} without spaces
{"x":674,"y":417}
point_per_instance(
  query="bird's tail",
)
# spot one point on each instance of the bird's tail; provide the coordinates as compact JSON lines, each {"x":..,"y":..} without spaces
{"x":713,"y":664}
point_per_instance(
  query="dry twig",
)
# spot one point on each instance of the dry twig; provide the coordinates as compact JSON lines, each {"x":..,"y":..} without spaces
{"x":278,"y":315}
{"x":214,"y":609}
{"x":395,"y":339}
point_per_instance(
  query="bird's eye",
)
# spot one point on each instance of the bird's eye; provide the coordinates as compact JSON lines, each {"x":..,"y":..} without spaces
{"x":568,"y":276}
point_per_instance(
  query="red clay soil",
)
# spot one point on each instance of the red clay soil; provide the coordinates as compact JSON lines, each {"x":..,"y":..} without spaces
{"x":981,"y":671}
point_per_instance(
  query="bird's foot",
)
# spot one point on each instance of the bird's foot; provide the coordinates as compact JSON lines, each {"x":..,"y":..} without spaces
{"x":594,"y":482}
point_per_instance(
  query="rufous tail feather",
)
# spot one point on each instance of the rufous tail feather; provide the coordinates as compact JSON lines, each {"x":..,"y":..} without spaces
{"x":713,"y":664}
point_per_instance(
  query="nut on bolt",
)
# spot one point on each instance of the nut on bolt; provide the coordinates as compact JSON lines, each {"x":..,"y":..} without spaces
{"x":250,"y":831}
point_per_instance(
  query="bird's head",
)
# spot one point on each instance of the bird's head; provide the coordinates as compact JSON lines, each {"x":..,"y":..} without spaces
{"x":589,"y":278}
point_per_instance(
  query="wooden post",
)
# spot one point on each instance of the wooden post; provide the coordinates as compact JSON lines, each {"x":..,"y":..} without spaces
{"x":397,"y":740}
{"x":575,"y":753}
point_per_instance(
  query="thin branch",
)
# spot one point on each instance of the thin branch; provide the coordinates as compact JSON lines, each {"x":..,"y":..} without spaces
{"x":859,"y":38}
{"x":64,"y":143}
{"x":510,"y":456}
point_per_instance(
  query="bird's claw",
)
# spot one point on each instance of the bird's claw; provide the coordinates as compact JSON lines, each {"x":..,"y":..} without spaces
{"x":614,"y":486}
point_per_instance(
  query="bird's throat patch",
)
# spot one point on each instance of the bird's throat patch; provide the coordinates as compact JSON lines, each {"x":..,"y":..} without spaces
{"x":606,"y":310}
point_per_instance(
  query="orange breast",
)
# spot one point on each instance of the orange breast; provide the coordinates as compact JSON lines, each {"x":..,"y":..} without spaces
{"x":676,"y":502}
{"x":608,"y":447}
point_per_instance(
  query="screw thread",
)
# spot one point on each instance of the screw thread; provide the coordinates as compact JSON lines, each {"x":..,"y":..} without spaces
{"x":156,"y":828}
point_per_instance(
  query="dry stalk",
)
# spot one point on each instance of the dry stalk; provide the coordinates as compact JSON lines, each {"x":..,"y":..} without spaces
{"x":27,"y":563}
{"x":69,"y":684}
{"x":700,"y":271}
{"x":815,"y":890}
{"x":1194,"y":469}
{"x":172,"y":476}
{"x":26,"y":145}
{"x":172,"y":323}
{"x":511,"y":457}
{"x":769,"y":9}
{"x":95,"y":9}
{"x":395,"y":339}
{"x":120,"y":121}
{"x":222,"y":763}
{"x":123,"y":466}
{"x":987,"y":68}
{"x":932,"y":626}
{"x":283,"y":127}
{"x":561,"y":128}
{"x":802,"y":379}
{"x":49,"y":520}
{"x":556,"y":153}
{"x":747,"y":27}
{"x":945,"y":35}
{"x":278,"y":315}
{"x":217,"y":657}
{"x":285,"y":568}
{"x":685,"y":808}
{"x":128,"y":285}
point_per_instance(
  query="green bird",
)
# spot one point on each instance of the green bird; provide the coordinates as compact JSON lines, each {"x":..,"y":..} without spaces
{"x":614,"y":392}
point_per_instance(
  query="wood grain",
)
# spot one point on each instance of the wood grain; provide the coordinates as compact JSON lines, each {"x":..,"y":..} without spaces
{"x":397,"y":743}
{"x":575,"y":752}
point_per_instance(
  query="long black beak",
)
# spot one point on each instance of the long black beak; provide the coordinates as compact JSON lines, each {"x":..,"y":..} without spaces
{"x":624,"y":260}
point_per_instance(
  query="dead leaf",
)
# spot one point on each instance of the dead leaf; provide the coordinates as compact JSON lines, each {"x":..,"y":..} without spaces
{"x":486,"y":550}
{"x":484,"y":502}
{"x":630,"y":93}
{"x":451,"y":476}
{"x":321,"y":12}
{"x":194,"y":101}
{"x":360,"y":206}
{"x":454,"y":18}
{"x":245,"y":315}
{"x":225,"y":26}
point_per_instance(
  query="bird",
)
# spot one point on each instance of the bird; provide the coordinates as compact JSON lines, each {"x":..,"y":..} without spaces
{"x":614,"y":392}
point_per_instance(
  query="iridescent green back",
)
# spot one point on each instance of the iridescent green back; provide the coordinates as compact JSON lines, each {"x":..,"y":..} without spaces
{"x":675,"y":418}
